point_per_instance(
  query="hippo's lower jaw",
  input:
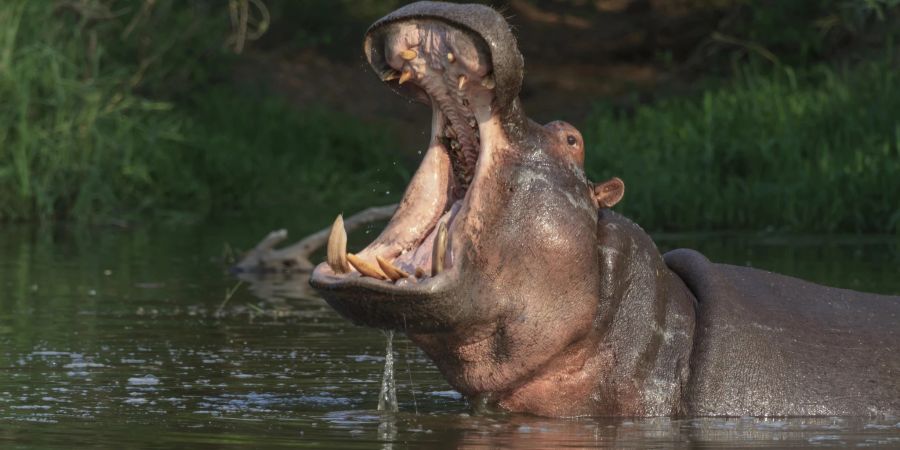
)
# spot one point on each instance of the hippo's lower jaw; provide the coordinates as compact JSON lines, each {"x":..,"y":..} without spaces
{"x":400,"y":279}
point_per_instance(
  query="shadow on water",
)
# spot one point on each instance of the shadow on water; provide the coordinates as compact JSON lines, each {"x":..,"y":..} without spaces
{"x":111,"y":338}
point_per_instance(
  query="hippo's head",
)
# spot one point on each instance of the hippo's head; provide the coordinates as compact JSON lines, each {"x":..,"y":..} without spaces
{"x":490,"y":263}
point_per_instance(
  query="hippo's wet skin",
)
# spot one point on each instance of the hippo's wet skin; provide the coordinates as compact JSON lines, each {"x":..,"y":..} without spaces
{"x":505,"y":266}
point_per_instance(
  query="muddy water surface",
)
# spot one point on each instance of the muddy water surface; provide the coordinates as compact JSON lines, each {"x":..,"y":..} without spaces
{"x":140,"y":339}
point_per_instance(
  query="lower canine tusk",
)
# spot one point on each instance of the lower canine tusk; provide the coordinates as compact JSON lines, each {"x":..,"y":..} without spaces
{"x":337,"y":247}
{"x":405,"y":76}
{"x":439,"y":250}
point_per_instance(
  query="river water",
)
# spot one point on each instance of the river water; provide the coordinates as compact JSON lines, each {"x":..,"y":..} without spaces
{"x":125,"y":339}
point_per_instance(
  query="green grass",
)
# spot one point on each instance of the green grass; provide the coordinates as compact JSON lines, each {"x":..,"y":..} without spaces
{"x":815,"y":150}
{"x":102,"y":120}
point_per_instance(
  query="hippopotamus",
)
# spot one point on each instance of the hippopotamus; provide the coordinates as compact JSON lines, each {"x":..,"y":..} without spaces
{"x":508,"y":268}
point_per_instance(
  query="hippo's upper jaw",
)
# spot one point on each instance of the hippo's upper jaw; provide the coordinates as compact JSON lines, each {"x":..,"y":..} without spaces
{"x":414,"y":262}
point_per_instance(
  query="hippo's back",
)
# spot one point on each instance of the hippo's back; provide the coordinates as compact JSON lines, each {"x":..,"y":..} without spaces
{"x":768,"y":344}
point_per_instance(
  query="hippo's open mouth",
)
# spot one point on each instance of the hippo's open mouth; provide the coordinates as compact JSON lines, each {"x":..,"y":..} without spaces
{"x":417,"y":253}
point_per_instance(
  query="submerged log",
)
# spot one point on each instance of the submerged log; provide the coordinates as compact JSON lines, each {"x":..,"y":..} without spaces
{"x":265,"y":258}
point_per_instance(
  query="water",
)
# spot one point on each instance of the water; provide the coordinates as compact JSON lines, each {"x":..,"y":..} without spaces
{"x":116,"y":339}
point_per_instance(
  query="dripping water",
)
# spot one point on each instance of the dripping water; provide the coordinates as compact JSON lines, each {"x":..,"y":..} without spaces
{"x":387,"y":398}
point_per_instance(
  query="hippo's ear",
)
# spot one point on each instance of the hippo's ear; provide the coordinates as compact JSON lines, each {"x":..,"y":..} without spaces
{"x":609,"y":192}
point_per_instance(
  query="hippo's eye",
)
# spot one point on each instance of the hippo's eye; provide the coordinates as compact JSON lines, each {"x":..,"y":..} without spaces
{"x":571,"y":140}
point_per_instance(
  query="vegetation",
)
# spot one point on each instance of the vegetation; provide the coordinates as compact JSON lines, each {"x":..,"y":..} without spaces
{"x":814,"y":150}
{"x":106,"y":118}
{"x":124,"y":111}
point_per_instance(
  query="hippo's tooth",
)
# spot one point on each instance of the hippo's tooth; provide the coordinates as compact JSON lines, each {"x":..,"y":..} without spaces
{"x":392,"y":271}
{"x":451,"y":57}
{"x":365,"y":268}
{"x":406,"y":75}
{"x":439,"y":250}
{"x":488,"y":82}
{"x":390,"y":75}
{"x":461,"y":83}
{"x":408,"y":55}
{"x":337,"y":247}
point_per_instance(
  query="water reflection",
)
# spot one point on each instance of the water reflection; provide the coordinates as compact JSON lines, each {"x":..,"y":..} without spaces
{"x":463,"y":431}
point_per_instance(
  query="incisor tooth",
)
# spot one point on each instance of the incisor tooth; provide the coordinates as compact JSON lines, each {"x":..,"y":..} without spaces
{"x":462,"y":82}
{"x":337,"y":247}
{"x":390,"y":75}
{"x":451,"y":57}
{"x":392,"y":272}
{"x":408,"y":55}
{"x":488,"y":82}
{"x":439,"y":250}
{"x":365,"y":268}
{"x":405,"y":76}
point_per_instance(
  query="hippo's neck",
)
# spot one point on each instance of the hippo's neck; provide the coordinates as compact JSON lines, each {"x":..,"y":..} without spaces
{"x":647,"y":318}
{"x":636,"y":360}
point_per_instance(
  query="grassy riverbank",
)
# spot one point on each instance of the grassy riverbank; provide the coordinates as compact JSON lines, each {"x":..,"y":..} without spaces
{"x":112,"y":116}
{"x":105,"y":119}
{"x":782,"y":149}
